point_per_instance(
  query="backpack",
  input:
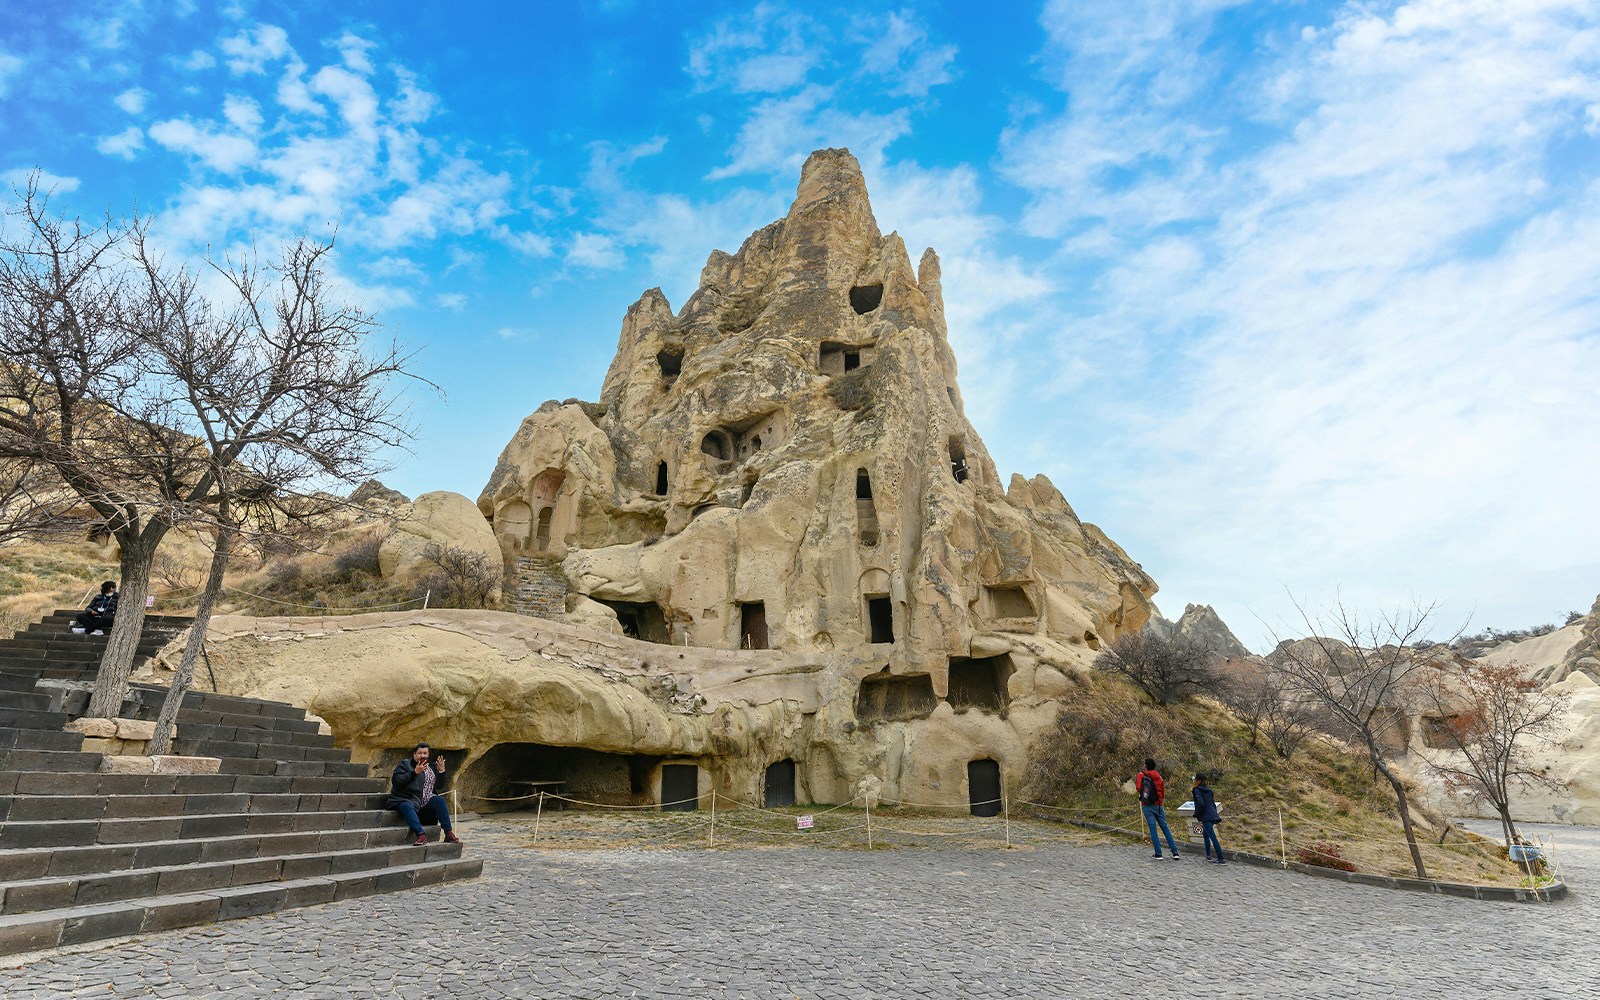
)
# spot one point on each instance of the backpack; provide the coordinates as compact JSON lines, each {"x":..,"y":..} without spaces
{"x":1147,"y":789}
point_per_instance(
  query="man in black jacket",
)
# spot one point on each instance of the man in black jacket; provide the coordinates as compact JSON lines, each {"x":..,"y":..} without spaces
{"x":416,"y":792}
{"x":100,"y":613}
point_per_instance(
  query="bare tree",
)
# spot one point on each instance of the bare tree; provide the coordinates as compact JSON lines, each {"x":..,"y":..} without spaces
{"x":464,"y":579}
{"x":155,"y":409}
{"x":1165,"y":670}
{"x":286,"y":395}
{"x":1491,"y":716}
{"x":1363,"y":675}
{"x":1262,"y":700}
{"x":73,"y":402}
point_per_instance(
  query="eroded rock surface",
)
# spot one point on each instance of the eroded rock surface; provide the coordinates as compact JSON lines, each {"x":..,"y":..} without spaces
{"x":774,"y":545}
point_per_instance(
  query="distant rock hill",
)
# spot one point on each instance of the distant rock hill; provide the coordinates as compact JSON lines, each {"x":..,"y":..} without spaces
{"x":1200,"y":623}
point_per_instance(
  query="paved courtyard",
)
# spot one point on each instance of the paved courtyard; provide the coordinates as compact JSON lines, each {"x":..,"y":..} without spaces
{"x":777,"y":924}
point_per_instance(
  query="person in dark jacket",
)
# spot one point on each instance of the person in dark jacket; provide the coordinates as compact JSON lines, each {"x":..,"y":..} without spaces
{"x":1152,"y":793}
{"x":101,"y":611}
{"x":416,"y":792}
{"x":1205,"y":810}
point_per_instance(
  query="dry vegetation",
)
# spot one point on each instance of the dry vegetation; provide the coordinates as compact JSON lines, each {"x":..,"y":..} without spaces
{"x":1325,"y":793}
{"x":332,"y":573}
{"x":38,"y":578}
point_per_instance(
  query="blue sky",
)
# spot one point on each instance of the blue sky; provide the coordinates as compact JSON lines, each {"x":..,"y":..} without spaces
{"x":1286,"y":296}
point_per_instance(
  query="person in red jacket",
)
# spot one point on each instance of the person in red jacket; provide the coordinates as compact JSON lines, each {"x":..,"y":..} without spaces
{"x":1152,"y":793}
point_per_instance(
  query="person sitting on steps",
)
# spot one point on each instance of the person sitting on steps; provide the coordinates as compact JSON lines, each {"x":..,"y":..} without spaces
{"x":101,"y":611}
{"x":416,"y":791}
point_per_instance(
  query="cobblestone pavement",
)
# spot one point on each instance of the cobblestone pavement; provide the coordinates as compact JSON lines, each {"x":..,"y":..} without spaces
{"x":779,"y":924}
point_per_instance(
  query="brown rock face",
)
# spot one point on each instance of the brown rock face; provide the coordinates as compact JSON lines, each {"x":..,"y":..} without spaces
{"x":785,"y":462}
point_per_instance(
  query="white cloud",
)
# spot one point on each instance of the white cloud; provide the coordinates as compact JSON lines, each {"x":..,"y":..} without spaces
{"x":594,"y":251}
{"x":412,"y":105}
{"x":1354,"y":345}
{"x":764,"y":52}
{"x":353,"y":96}
{"x":10,"y":66}
{"x":453,"y":301}
{"x":132,"y":100}
{"x":197,"y":60}
{"x":103,"y":34}
{"x":217,"y":150}
{"x":124,"y":144}
{"x":242,"y":113}
{"x":780,"y":132}
{"x":353,"y":50}
{"x":249,"y":51}
{"x":897,"y":49}
{"x":294,"y":94}
{"x":48,"y":182}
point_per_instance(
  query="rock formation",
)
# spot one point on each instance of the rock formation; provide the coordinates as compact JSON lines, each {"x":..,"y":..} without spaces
{"x":1201,"y":624}
{"x":1584,"y":655}
{"x":434,"y":522}
{"x":775,"y":546}
{"x":785,"y":462}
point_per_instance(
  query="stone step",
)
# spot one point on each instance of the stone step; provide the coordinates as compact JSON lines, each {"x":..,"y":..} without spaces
{"x":293,"y":768}
{"x":25,"y":932}
{"x":94,"y":783}
{"x":61,"y":891}
{"x":199,"y":733}
{"x":265,"y":751}
{"x":60,"y":762}
{"x":197,"y":717}
{"x":19,"y":682}
{"x":15,"y":834}
{"x":125,"y":806}
{"x":22,"y":718}
{"x":40,"y":739}
{"x":61,"y":616}
{"x":32,"y":700}
{"x":70,"y":648}
{"x":44,"y":862}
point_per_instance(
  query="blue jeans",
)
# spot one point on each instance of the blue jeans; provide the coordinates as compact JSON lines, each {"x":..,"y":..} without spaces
{"x":435,"y":811}
{"x":1208,"y":832}
{"x":1154,"y":815}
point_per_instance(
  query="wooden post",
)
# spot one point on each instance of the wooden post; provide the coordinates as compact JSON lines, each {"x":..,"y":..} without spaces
{"x":1283,"y":850}
{"x":537,"y":816}
{"x":1005,"y":807}
{"x":869,"y":823}
{"x":425,"y":598}
{"x":713,"y":817}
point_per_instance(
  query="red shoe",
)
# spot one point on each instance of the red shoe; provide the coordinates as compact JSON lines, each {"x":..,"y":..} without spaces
{"x":421,"y":841}
{"x":451,"y":838}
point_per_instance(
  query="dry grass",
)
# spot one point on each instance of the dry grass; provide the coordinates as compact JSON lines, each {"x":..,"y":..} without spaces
{"x":1326,"y":793}
{"x":37,"y":578}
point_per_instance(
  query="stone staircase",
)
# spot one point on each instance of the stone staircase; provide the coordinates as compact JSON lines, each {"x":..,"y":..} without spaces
{"x":539,"y":588}
{"x":88,"y":851}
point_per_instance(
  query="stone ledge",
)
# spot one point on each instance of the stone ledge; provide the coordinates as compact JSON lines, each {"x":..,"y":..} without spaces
{"x":165,"y":764}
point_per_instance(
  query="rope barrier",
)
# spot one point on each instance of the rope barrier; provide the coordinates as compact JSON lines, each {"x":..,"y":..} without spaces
{"x":687,"y":823}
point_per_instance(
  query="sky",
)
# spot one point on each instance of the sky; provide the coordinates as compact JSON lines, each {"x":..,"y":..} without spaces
{"x":1296,"y":300}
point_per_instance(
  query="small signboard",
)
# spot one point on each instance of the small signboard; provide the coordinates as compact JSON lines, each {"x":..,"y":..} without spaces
{"x":804,"y":822}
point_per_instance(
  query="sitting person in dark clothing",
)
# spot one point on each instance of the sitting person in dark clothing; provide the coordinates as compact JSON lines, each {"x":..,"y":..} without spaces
{"x":98,"y":616}
{"x":416,"y":793}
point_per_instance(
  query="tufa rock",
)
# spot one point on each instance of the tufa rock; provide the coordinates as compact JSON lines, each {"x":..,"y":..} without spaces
{"x":436,"y":519}
{"x":775,"y":551}
{"x":784,"y":462}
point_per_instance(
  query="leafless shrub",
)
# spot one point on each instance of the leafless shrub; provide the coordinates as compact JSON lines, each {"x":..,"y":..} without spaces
{"x":1166,"y":670}
{"x":461,"y":578}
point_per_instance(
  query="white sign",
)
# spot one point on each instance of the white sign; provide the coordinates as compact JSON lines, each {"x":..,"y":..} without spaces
{"x":804,"y":822}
